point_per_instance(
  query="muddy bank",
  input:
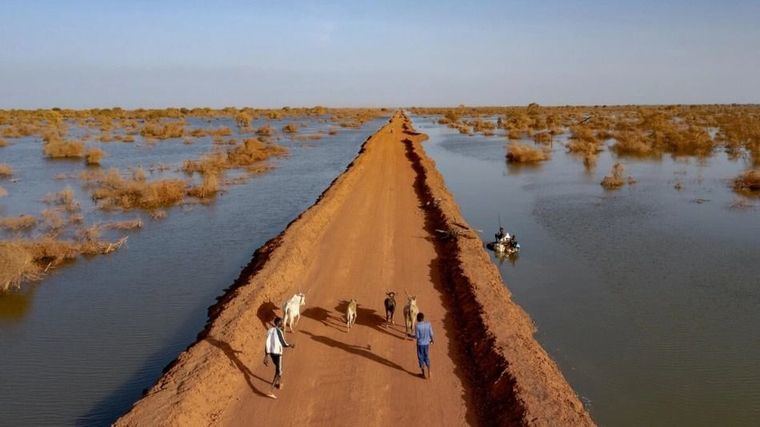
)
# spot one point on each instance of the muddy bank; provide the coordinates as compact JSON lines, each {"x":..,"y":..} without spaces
{"x":205,"y":381}
{"x":201,"y":382}
{"x":517,"y":381}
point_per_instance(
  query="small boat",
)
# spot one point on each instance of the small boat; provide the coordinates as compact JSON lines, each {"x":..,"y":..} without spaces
{"x":504,"y":245}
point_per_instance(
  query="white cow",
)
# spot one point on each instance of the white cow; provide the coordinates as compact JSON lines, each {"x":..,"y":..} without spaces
{"x":292,"y":310}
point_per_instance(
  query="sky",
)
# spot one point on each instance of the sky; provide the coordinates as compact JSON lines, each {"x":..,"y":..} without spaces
{"x":353,"y":53}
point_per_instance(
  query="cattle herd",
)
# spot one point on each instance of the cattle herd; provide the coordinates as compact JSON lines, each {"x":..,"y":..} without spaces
{"x":292,"y":311}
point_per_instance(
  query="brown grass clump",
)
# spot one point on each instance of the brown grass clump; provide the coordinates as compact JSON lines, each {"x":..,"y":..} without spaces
{"x":251,"y":151}
{"x":290,"y":128}
{"x":632,"y":144}
{"x":16,"y":266}
{"x":615,"y":179}
{"x":93,"y":156}
{"x":265,"y":130}
{"x":220,"y":131}
{"x":18,"y":223}
{"x":25,"y":260}
{"x":63,"y":198}
{"x":748,"y":182}
{"x":3,"y":192}
{"x":57,"y":148}
{"x":523,"y":153}
{"x":114,"y":191}
{"x":54,"y":221}
{"x":5,"y":170}
{"x":158,"y":130}
{"x":128,"y":224}
{"x":208,"y":188}
{"x":3,"y":142}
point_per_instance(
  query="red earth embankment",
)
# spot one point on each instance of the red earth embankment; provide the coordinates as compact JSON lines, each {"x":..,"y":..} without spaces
{"x":374,"y":229}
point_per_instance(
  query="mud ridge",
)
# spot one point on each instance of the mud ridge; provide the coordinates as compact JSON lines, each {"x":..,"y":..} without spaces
{"x":515,"y":380}
{"x":259,"y":260}
{"x":495,"y":389}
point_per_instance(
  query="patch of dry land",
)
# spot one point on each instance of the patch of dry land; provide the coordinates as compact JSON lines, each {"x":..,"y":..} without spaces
{"x":388,"y":222}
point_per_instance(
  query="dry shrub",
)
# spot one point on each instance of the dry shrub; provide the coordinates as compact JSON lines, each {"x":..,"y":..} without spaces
{"x":3,"y":142}
{"x":18,"y":223}
{"x":53,"y":220}
{"x":57,"y":148}
{"x":615,"y":179}
{"x":5,"y":170}
{"x":290,"y":128}
{"x":251,"y":151}
{"x":127,"y":224}
{"x":158,"y":214}
{"x":208,"y":163}
{"x":93,"y":156}
{"x":113,"y":191}
{"x":523,"y":153}
{"x":515,"y":134}
{"x":16,"y":266}
{"x":63,"y":198}
{"x":632,"y":144}
{"x":220,"y":131}
{"x":208,"y":188}
{"x":3,"y":192}
{"x":158,"y":130}
{"x":265,"y":130}
{"x":748,"y":182}
{"x":128,"y":138}
{"x":138,"y":174}
{"x":25,"y":260}
{"x":543,"y":137}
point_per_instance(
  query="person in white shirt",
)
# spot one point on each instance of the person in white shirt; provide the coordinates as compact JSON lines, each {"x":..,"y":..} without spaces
{"x":273,"y":350}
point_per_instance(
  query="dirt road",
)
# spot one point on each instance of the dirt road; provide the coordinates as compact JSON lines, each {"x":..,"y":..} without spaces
{"x":372,"y":231}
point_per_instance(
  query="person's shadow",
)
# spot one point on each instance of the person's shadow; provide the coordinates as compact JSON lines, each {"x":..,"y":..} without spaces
{"x":231,"y":353}
{"x":357,"y":350}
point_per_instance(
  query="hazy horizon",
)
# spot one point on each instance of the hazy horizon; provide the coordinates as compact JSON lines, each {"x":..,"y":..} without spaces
{"x":86,"y":54}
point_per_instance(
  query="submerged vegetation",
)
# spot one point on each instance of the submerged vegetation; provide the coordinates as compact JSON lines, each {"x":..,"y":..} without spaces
{"x":240,"y":142}
{"x":626,"y":131}
{"x":523,"y":153}
{"x":748,"y":182}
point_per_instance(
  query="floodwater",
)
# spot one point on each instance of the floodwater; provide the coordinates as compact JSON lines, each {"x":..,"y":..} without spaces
{"x":647,"y":297}
{"x":80,"y":346}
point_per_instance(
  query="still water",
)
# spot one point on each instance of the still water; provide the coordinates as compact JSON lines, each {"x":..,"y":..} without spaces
{"x":648,"y":297}
{"x":79,"y":347}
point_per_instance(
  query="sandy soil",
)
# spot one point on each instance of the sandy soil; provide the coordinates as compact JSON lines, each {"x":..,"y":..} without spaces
{"x":374,"y":229}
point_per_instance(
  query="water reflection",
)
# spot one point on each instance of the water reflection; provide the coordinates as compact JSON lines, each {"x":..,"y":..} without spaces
{"x":15,"y":304}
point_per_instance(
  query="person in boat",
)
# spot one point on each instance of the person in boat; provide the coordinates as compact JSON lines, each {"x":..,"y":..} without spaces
{"x":501,"y":236}
{"x":513,"y":242}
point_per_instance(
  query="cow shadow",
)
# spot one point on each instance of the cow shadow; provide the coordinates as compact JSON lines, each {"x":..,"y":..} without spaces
{"x":368,"y":317}
{"x":365,"y":352}
{"x":324,"y":317}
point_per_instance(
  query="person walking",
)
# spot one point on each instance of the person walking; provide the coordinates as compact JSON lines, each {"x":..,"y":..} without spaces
{"x":424,"y":334}
{"x":273,"y":350}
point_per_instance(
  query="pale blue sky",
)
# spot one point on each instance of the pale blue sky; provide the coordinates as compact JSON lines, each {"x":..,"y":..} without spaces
{"x":362,"y":53}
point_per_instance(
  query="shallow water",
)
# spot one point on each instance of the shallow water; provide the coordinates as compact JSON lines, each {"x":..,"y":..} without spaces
{"x":646,"y":297}
{"x":79,"y":347}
